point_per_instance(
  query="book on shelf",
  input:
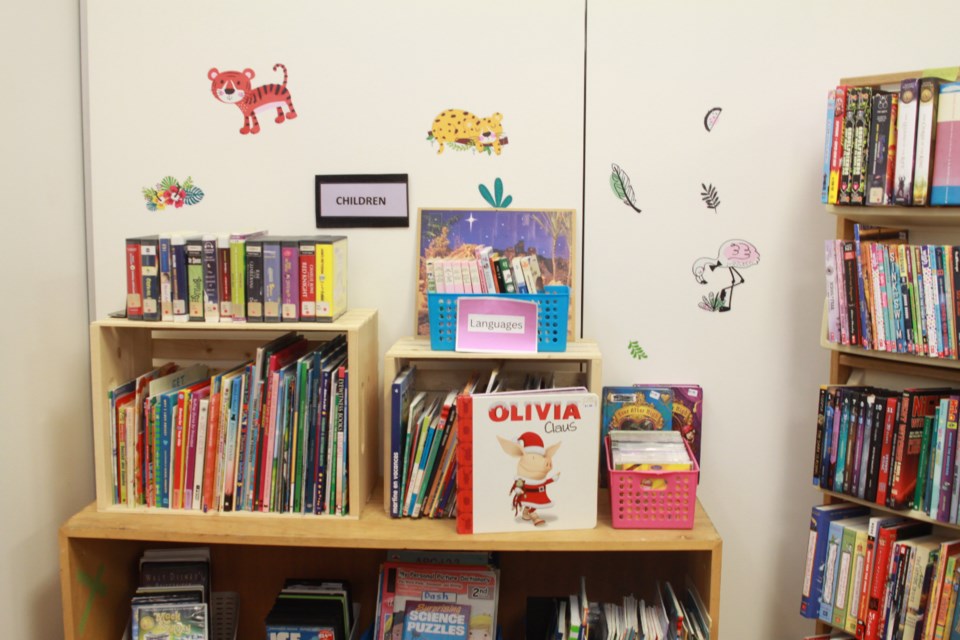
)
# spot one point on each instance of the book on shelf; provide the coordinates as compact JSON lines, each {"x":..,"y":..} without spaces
{"x":309,"y":608}
{"x":515,"y":441}
{"x":945,"y":182}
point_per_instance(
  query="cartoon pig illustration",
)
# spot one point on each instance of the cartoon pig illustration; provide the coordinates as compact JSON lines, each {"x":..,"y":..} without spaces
{"x":529,"y":489}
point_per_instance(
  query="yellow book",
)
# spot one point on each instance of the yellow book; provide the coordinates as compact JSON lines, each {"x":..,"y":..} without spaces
{"x":331,"y":277}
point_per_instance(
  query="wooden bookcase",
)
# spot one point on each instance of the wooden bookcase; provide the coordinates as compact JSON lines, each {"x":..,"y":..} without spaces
{"x":252,"y":554}
{"x":122,"y":349}
{"x":849,"y":364}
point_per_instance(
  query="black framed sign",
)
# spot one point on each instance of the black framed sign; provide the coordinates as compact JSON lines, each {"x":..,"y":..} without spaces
{"x":362,"y":201}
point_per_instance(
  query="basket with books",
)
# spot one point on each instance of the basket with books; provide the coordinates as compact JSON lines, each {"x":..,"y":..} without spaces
{"x":552,"y":311}
{"x":653,"y":480}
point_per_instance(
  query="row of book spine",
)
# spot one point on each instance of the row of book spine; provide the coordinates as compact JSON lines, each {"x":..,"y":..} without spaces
{"x":239,"y":277}
{"x":880,"y":576}
{"x":896,"y":147}
{"x":487,"y":272}
{"x":894,"y":448}
{"x":267,"y":435}
{"x":899,"y":298}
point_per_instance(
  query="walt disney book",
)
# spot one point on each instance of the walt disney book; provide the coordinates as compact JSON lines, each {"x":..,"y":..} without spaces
{"x":527,"y":460}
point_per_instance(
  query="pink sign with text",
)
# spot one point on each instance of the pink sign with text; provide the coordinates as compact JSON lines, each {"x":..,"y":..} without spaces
{"x":496,"y":324}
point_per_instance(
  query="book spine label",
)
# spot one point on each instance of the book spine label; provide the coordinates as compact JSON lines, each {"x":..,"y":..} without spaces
{"x":195,"y":281}
{"x":290,"y":282}
{"x":150,"y":276}
{"x":271,"y":281}
{"x":254,"y":285}
{"x":211,"y":290}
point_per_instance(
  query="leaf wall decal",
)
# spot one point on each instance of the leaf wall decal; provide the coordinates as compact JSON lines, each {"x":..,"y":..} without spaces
{"x":620,"y":183}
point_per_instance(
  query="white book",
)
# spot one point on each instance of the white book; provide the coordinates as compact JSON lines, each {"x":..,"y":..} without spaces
{"x":484,"y":256}
{"x":833,"y":309}
{"x":202,"y":417}
{"x":906,"y":141}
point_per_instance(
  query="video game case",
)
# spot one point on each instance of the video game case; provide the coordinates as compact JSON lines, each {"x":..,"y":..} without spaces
{"x":308,"y":280}
{"x":858,"y":170}
{"x":254,"y":281}
{"x":178,"y":278}
{"x":926,"y":140}
{"x":290,"y":280}
{"x":166,"y":278}
{"x":836,"y":150}
{"x":211,"y":277}
{"x":134,"y":282}
{"x":224,"y":278}
{"x":880,"y":180}
{"x":849,"y":131}
{"x":906,"y":142}
{"x":271,"y":279}
{"x":194,"y":252}
{"x":150,"y":277}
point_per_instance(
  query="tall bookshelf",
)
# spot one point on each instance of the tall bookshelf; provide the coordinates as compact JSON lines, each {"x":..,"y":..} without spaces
{"x":849,"y":364}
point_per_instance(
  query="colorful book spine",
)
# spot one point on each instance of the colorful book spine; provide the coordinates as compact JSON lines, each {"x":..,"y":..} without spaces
{"x":150,"y":277}
{"x":254,"y":281}
{"x":178,"y":278}
{"x":134,"y":284}
{"x":849,"y":132}
{"x":877,"y":183}
{"x":827,"y":147}
{"x":861,"y":147}
{"x":211,"y":280}
{"x":836,"y":151}
{"x":290,"y":280}
{"x":945,"y":189}
{"x":833,"y":305}
{"x":166,"y":286}
{"x":224,"y":278}
{"x":308,"y":281}
{"x":195,"y":279}
{"x":926,"y":140}
{"x":906,"y":142}
{"x":272,"y":282}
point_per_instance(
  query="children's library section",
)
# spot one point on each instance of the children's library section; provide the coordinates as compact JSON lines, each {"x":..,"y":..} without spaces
{"x":238,"y":411}
{"x":883,"y":551}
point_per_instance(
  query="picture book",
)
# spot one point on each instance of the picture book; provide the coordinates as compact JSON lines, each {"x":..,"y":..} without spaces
{"x":171,"y":622}
{"x":637,"y":409}
{"x":686,"y":410}
{"x":541,"y":447}
{"x":425,"y":620}
{"x":455,"y":596}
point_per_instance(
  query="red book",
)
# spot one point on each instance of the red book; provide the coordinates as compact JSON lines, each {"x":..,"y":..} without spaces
{"x":914,"y":405}
{"x":886,"y":536}
{"x":889,"y":424}
{"x":210,"y":450}
{"x":836,"y":152}
{"x":465,"y":464}
{"x":862,"y":599}
{"x":134,"y":284}
{"x":181,"y":427}
{"x":308,"y":280}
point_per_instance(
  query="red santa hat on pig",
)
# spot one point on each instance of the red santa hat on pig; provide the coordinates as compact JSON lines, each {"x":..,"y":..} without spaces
{"x":531,"y":443}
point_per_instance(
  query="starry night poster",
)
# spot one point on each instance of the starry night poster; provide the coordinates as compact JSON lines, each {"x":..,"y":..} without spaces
{"x":458,"y":233}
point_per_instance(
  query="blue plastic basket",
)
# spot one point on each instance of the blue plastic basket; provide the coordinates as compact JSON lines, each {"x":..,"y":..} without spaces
{"x":552,"y":309}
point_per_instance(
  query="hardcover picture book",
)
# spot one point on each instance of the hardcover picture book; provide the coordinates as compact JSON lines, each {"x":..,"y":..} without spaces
{"x":527,"y":460}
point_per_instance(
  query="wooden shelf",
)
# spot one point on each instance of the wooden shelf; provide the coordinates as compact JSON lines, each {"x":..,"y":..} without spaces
{"x":254,"y":555}
{"x":906,"y":513}
{"x":122,"y":349}
{"x":899,"y":216}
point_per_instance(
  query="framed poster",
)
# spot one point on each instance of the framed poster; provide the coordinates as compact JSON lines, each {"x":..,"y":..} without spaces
{"x":459,"y":233}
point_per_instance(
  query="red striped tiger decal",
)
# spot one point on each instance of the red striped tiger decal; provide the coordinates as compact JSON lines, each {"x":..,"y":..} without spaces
{"x":233,"y":87}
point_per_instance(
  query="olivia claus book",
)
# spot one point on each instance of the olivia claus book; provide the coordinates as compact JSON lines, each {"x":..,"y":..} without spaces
{"x":526,"y":460}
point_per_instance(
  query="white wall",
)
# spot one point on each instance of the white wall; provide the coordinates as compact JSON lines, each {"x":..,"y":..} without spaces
{"x":654,"y":70}
{"x":46,"y":464}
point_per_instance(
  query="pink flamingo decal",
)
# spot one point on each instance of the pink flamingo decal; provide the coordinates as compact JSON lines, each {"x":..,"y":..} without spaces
{"x":733,"y":256}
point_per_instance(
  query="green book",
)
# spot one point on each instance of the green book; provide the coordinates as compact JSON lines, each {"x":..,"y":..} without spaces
{"x":923,"y":471}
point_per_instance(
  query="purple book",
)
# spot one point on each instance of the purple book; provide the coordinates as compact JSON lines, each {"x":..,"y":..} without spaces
{"x":290,"y":280}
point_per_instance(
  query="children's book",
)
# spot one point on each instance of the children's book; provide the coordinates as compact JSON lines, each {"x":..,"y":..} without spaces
{"x":686,"y":410}
{"x":527,"y":460}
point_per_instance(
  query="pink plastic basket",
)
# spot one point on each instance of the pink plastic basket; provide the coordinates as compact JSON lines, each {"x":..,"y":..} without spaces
{"x":652,"y":499}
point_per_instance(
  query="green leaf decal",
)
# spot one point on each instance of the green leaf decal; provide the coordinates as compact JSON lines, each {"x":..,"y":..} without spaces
{"x":498,"y":191}
{"x":636,"y":351}
{"x":506,"y":202}
{"x":486,"y":195}
{"x":194,"y":195}
{"x":168,"y":182}
{"x":620,"y":183}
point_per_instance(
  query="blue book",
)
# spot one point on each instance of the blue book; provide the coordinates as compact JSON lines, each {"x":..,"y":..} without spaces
{"x":828,"y":146}
{"x":166,"y":284}
{"x":845,"y":410}
{"x":243,"y":456}
{"x":400,"y":395}
{"x":178,"y":278}
{"x":271,"y":279}
{"x":823,"y":552}
{"x":168,"y":405}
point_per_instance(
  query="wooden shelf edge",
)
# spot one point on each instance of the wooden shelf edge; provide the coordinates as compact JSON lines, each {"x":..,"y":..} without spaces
{"x":897,"y":215}
{"x":418,"y":347}
{"x":376,"y":530}
{"x":906,"y":513}
{"x":349,"y":321}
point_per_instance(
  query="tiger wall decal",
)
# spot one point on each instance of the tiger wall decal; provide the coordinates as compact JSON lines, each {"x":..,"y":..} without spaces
{"x":234,"y":87}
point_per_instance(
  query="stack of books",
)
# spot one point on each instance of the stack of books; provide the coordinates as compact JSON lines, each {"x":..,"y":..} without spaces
{"x":307,"y":608}
{"x":893,"y":145}
{"x":486,"y":272}
{"x":649,"y":451}
{"x":238,"y":277}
